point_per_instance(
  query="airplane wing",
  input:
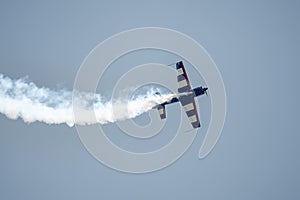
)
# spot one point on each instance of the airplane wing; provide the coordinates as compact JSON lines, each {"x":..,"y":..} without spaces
{"x":187,"y":99}
{"x":182,"y":79}
{"x":189,"y":105}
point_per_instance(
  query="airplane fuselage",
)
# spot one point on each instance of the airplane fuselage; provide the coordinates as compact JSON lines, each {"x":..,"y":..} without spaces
{"x":194,"y":93}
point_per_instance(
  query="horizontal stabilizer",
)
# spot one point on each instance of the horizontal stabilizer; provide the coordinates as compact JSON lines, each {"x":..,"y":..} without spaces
{"x":162,"y":111}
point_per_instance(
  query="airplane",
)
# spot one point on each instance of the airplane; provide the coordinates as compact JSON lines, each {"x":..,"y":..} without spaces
{"x":186,"y":96}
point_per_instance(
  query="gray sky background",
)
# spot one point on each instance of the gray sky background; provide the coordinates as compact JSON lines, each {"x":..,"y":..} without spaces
{"x":255,"y":44}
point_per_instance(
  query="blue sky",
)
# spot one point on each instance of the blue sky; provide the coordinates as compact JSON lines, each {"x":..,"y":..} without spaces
{"x":255,"y":46}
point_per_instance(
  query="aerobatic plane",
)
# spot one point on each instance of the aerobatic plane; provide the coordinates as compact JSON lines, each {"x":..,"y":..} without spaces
{"x":186,"y":96}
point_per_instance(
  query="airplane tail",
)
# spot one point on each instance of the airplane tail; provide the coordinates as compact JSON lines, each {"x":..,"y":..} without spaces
{"x":162,"y":111}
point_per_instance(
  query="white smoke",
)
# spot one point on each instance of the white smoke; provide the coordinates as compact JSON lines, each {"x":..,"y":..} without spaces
{"x":23,"y":99}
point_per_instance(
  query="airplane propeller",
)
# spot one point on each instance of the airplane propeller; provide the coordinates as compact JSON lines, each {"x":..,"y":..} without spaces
{"x":205,"y":91}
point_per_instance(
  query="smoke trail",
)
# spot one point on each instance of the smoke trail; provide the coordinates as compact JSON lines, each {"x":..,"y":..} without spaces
{"x":22,"y":99}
